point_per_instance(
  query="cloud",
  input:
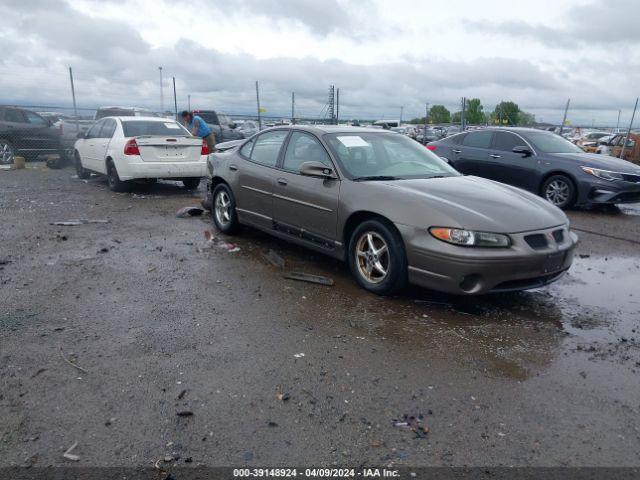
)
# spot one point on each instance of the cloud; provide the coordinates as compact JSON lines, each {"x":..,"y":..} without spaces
{"x":610,"y":23}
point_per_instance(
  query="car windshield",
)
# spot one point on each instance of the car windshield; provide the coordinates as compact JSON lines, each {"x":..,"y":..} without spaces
{"x":385,"y":156}
{"x":551,"y":143}
{"x":136,"y":128}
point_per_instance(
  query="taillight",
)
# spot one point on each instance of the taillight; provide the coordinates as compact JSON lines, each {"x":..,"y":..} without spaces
{"x":205,"y":148}
{"x":432,"y":147}
{"x":131,"y":147}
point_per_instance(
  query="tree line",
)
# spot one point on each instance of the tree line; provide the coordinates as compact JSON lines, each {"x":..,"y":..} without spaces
{"x":506,"y":113}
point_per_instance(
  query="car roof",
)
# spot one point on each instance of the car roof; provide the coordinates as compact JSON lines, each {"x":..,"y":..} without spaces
{"x":322,"y":129}
{"x":137,"y":119}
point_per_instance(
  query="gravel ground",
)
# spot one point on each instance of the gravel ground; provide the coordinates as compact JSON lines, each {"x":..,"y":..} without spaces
{"x":141,"y":341}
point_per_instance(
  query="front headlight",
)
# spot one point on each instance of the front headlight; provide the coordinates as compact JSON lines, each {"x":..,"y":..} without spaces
{"x":469,"y":238}
{"x":603,"y":174}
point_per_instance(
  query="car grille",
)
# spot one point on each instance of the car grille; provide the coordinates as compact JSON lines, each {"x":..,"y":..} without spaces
{"x":631,"y":178}
{"x":539,"y":241}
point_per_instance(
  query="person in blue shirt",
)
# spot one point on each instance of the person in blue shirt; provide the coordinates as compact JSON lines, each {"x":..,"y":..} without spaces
{"x":199,"y":128}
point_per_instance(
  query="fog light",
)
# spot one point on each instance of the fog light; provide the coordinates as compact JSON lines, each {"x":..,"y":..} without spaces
{"x":470,"y":282}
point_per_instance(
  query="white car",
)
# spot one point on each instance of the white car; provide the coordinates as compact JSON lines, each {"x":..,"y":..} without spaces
{"x":138,"y":148}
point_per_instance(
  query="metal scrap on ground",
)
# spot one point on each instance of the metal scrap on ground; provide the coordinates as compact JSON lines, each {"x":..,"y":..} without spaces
{"x":75,"y":222}
{"x":306,"y":277}
{"x":192,"y":211}
{"x":274,"y":259}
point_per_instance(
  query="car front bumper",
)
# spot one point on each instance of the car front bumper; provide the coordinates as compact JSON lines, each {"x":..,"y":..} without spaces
{"x":460,"y":270}
{"x":607,"y":192}
{"x":138,"y":170}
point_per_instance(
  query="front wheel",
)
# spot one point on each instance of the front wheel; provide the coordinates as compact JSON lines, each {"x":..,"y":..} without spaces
{"x":377,"y":257}
{"x":6,"y":152}
{"x":560,"y":191}
{"x":224,"y":213}
{"x":191,"y":183}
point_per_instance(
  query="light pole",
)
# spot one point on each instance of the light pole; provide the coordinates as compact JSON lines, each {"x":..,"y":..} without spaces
{"x":161,"y":92}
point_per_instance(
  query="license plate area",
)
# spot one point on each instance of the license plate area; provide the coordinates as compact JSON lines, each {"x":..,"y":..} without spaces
{"x":553,"y":262}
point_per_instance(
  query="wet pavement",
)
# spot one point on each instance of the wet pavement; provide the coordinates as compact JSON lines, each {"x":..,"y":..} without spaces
{"x":158,"y":321}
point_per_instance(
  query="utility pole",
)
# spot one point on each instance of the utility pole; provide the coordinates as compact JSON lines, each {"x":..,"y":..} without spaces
{"x":462,"y":113}
{"x":337,"y":105}
{"x":564,"y":118}
{"x":293,"y":108}
{"x":161,"y":91}
{"x":73,"y":96}
{"x":426,"y":120}
{"x":401,"y":109}
{"x":331,"y":104}
{"x":618,"y":122}
{"x":258,"y":101}
{"x":175,"y":98}
{"x":189,"y":102}
{"x":626,"y":139}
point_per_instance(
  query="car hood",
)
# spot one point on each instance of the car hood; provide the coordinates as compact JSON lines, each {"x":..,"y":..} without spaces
{"x":604,"y":162}
{"x":472,"y":202}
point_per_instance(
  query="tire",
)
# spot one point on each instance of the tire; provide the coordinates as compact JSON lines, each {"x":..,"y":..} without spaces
{"x":82,"y":172}
{"x":115,"y":184}
{"x":191,"y":183}
{"x":53,"y":163}
{"x":7,"y":152}
{"x":560,"y":191}
{"x":223,"y":210}
{"x":367,"y":265}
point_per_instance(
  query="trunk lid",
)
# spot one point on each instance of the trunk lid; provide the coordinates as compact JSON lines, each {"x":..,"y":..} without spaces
{"x":169,"y":149}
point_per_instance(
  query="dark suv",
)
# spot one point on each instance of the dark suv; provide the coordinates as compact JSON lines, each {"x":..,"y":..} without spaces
{"x":221,"y":125}
{"x":543,"y":163}
{"x":25,"y":133}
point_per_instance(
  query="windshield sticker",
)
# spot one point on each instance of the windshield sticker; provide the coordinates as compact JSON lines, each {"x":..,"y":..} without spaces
{"x":353,"y":141}
{"x":175,"y":126}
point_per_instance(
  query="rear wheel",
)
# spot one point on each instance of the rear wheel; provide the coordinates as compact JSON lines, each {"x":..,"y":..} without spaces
{"x":224,"y":213}
{"x":7,"y":152}
{"x":191,"y":183}
{"x":82,"y":172}
{"x":115,"y":184}
{"x":377,"y":257}
{"x":560,"y":191}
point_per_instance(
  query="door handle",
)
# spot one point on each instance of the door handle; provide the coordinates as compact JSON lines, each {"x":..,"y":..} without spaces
{"x":456,"y":151}
{"x":282,"y":181}
{"x":233,"y":167}
{"x":493,"y":155}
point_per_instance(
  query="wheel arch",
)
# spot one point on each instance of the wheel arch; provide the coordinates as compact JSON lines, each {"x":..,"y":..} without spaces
{"x":358,"y":217}
{"x":552,"y":173}
{"x":216,"y":180}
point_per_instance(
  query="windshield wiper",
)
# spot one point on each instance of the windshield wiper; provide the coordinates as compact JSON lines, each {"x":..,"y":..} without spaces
{"x":375,"y":177}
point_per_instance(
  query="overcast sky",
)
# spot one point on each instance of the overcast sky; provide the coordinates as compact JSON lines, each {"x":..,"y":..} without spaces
{"x":382,"y":54}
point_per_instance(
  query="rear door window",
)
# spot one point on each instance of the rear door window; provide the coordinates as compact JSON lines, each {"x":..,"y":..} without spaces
{"x":35,"y":119}
{"x":108,"y":128}
{"x":94,"y":131}
{"x":267,"y":147}
{"x":480,"y":139}
{"x":14,"y":115}
{"x":245,"y":151}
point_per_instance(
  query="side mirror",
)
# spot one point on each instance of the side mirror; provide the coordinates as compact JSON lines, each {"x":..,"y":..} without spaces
{"x":81,"y":135}
{"x":316,"y":169}
{"x":522,"y":150}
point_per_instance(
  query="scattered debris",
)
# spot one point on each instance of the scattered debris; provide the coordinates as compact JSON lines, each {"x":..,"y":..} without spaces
{"x":272,"y":424}
{"x":274,"y":259}
{"x":283,"y":397}
{"x":209,"y":236}
{"x":298,"y":355}
{"x":192,"y":211}
{"x":185,"y":413}
{"x":306,"y":277}
{"x":73,"y":364}
{"x":584,"y":255}
{"x":182,"y":394}
{"x":76,"y":222}
{"x":230,"y":247}
{"x":70,"y":456}
{"x":413,"y":423}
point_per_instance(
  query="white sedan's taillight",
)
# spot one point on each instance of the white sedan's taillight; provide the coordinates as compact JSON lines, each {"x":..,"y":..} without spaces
{"x":205,"y":148}
{"x":131,"y":147}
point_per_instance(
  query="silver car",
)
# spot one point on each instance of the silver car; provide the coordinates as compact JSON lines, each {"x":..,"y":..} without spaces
{"x":393,"y":210}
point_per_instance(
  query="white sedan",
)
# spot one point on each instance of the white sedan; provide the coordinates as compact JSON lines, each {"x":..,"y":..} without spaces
{"x":139,"y":148}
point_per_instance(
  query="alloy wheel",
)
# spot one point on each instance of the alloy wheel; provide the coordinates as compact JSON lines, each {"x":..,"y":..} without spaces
{"x":372,"y":257}
{"x":6,"y":153}
{"x":223,"y":208}
{"x":557,"y":192}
